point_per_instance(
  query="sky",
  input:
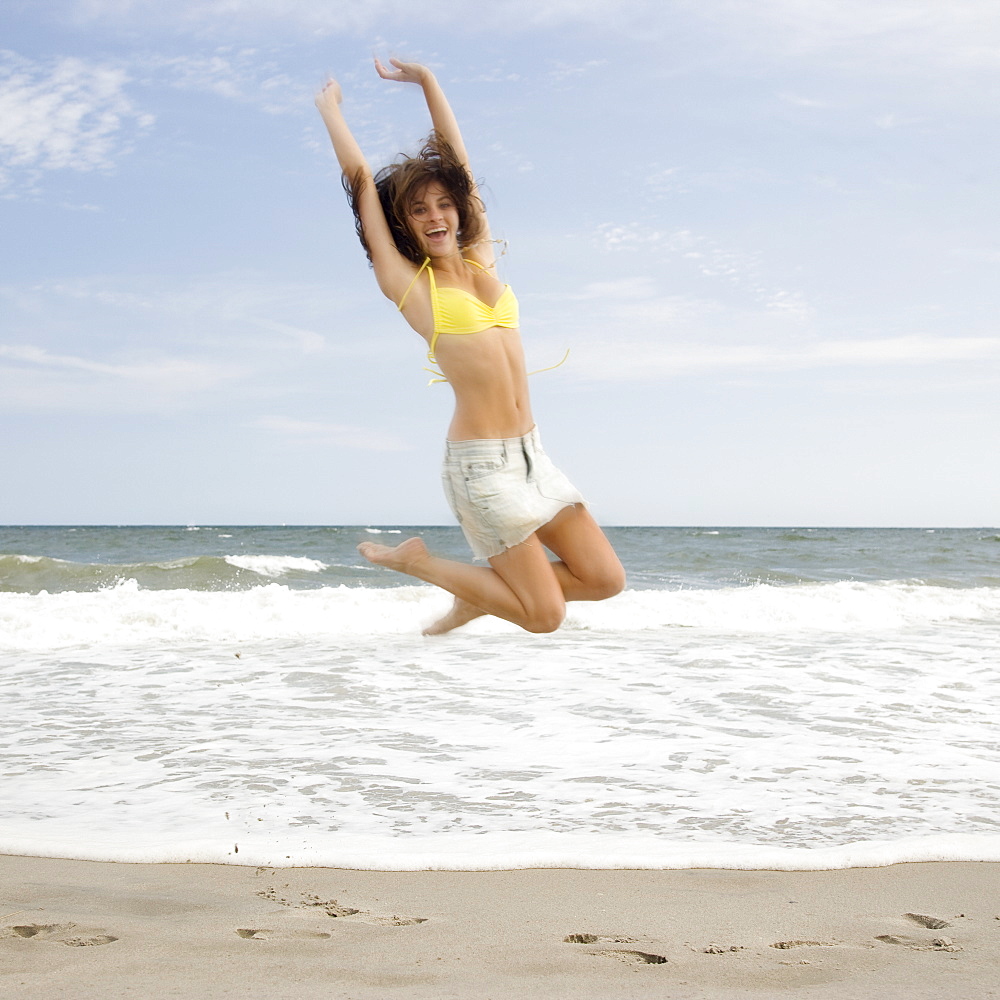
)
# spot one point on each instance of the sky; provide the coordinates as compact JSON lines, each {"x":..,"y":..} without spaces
{"x":767,"y":230}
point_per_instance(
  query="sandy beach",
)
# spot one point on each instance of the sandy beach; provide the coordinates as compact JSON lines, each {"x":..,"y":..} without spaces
{"x":80,"y":929}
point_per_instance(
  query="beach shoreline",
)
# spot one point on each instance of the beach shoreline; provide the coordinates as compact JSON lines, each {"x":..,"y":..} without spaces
{"x":80,"y":929}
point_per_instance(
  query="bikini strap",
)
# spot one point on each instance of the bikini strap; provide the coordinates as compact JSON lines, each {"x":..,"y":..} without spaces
{"x":434,"y":305}
{"x":441,"y":378}
{"x":551,"y":367}
{"x":402,"y":301}
{"x":434,"y":314}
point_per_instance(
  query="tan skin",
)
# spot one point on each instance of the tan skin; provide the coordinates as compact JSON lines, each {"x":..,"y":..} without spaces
{"x":487,"y":374}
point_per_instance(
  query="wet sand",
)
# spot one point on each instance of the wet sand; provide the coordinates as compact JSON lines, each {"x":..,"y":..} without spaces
{"x":80,"y":929}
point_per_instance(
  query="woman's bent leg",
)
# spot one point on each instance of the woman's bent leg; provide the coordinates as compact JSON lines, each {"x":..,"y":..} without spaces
{"x":520,"y":585}
{"x":589,"y":569}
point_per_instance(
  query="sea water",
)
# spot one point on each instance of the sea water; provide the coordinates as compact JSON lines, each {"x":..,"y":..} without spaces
{"x":780,"y":698}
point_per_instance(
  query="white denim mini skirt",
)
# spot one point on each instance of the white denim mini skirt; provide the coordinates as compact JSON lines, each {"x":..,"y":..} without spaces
{"x":503,"y":489}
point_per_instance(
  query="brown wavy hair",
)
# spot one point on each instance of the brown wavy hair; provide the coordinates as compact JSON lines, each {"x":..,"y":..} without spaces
{"x":398,"y":185}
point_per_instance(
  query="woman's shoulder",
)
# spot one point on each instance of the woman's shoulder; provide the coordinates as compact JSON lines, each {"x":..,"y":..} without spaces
{"x":396,"y":275}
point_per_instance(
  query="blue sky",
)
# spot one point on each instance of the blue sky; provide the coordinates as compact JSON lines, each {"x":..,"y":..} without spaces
{"x":767,"y":230}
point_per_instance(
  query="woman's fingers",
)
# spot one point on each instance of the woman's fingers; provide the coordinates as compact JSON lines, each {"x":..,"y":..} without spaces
{"x":403,"y":73}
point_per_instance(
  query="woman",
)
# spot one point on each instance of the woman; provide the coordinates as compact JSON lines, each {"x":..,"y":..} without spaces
{"x":426,"y":234}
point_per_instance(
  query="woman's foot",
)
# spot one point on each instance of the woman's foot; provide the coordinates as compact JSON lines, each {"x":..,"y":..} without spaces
{"x":401,"y":558}
{"x":462,"y":612}
{"x":405,"y":558}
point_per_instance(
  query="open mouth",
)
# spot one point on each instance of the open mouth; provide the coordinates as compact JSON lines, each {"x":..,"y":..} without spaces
{"x":436,"y":234}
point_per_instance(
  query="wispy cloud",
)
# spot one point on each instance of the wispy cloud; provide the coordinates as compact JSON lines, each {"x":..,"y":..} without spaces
{"x":798,"y":101}
{"x":981,"y":255}
{"x":628,"y":329}
{"x":310,"y":432}
{"x":889,"y":35}
{"x":64,"y":114}
{"x":352,"y":16}
{"x":566,"y":71}
{"x":244,"y":75}
{"x":208,"y":342}
{"x":161,"y":374}
{"x":208,"y":309}
{"x":902,"y":34}
{"x":705,"y":255}
{"x":641,"y":359}
{"x":74,"y":114}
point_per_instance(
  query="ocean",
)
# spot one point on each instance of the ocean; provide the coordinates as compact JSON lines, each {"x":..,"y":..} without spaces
{"x":756,"y":698}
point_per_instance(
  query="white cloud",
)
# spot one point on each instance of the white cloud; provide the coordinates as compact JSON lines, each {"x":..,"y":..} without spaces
{"x":980,"y":255}
{"x":869,"y":33}
{"x":67,"y":114}
{"x":310,"y":432}
{"x":803,"y":102}
{"x":244,"y":75}
{"x":566,"y":71}
{"x":627,"y":330}
{"x":160,"y":374}
{"x":76,"y":114}
{"x":707,"y":257}
{"x":207,"y":309}
{"x":641,"y":359}
{"x":130,"y":344}
{"x":887,"y":34}
{"x":512,"y":159}
{"x":352,"y":16}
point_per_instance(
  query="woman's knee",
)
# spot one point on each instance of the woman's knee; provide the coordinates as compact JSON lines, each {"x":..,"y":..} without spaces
{"x":604,"y":582}
{"x":545,"y":618}
{"x":611,"y":583}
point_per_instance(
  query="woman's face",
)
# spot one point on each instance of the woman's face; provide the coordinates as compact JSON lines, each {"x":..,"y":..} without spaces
{"x":433,"y":220}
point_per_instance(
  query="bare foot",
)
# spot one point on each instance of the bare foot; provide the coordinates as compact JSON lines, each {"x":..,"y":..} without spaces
{"x":462,"y":612}
{"x":401,"y":558}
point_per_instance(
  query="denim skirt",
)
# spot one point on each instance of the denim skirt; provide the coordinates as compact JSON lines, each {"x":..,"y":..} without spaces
{"x":503,"y":489}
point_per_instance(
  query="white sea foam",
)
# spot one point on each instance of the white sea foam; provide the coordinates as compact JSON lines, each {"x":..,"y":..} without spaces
{"x":234,"y":840}
{"x":276,"y":566}
{"x":127,"y":613}
{"x":805,"y":726}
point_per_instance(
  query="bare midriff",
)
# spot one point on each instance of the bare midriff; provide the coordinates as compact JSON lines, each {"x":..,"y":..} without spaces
{"x":486,"y":371}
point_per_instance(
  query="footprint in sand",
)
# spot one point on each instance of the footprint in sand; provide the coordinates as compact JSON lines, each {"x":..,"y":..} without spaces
{"x":60,"y":934}
{"x":918,"y":944}
{"x":332,"y":908}
{"x":622,"y":954}
{"x":598,"y":939}
{"x":266,"y":934}
{"x":936,"y":944}
{"x":787,"y":945}
{"x":393,"y":921}
{"x":931,"y":923}
{"x":308,"y":900}
{"x":633,"y":957}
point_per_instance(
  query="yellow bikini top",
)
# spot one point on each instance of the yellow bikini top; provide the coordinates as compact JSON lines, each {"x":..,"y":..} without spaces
{"x":457,"y":312}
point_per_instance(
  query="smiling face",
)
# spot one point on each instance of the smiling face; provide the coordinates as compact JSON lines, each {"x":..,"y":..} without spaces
{"x":433,"y":220}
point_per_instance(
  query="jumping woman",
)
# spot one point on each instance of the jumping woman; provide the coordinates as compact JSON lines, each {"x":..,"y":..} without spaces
{"x":425,"y":231}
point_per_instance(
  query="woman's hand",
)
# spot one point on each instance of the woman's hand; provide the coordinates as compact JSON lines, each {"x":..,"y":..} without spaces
{"x":329,"y":96}
{"x":404,"y":72}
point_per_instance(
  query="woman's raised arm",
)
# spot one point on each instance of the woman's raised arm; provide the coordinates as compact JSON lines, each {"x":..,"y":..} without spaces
{"x":446,"y":126}
{"x":392,"y":270}
{"x":442,"y":117}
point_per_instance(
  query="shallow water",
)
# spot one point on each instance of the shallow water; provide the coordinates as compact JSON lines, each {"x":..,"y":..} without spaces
{"x":757,"y":697}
